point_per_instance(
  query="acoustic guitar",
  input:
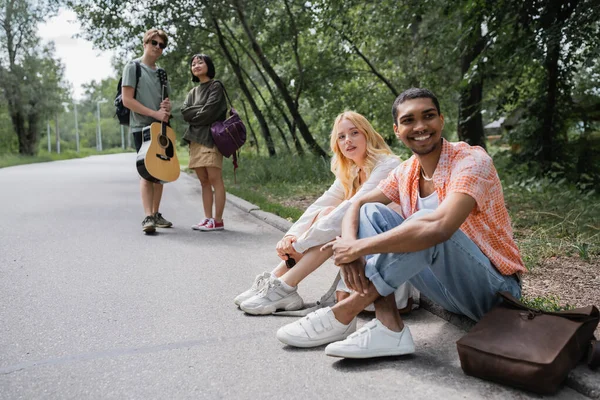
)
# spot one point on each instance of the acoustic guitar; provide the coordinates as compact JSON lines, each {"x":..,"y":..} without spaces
{"x":157,"y":159}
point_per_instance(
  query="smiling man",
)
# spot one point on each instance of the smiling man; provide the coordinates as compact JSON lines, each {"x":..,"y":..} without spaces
{"x":452,"y":240}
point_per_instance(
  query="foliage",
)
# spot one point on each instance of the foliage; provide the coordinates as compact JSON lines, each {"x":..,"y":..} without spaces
{"x":30,"y":77}
{"x":547,"y":303}
{"x":291,"y":66}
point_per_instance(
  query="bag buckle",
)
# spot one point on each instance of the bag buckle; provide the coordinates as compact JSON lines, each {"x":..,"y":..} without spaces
{"x":530,"y":314}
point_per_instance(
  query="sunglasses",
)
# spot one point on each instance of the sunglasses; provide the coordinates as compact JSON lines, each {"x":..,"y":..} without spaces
{"x":290,"y":262}
{"x":155,"y":43}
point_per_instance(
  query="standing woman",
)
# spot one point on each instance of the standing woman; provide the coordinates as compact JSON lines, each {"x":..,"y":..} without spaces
{"x":204,"y":105}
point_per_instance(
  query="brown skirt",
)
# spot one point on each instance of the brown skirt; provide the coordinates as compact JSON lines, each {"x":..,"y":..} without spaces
{"x":202,"y":156}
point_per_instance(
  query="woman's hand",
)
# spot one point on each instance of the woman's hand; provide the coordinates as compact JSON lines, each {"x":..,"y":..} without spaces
{"x":284,"y":248}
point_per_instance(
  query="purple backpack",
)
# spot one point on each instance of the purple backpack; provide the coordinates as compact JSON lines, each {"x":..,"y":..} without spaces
{"x":229,"y":135}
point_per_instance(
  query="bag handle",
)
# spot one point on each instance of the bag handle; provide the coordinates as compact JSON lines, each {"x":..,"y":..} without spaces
{"x":224,"y":91}
{"x":577,"y":314}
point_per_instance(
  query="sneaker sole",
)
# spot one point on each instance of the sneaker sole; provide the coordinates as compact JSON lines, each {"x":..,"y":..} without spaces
{"x":149,"y":229}
{"x":341,"y":353}
{"x":212,"y":229}
{"x":238,"y":302}
{"x":270,"y":309}
{"x":164,"y":226}
{"x":305,"y":343}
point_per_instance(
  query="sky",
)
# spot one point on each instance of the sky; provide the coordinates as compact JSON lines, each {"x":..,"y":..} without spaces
{"x":82,"y":62}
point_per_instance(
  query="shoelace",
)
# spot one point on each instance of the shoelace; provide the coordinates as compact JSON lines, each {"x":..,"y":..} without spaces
{"x":265,"y":289}
{"x":258,"y":283}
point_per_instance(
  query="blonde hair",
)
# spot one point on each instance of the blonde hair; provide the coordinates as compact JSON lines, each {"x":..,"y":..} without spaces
{"x":155,"y":32}
{"x":344,"y":168}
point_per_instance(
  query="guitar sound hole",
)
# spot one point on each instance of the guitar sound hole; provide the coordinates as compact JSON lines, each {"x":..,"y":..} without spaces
{"x":163,"y":141}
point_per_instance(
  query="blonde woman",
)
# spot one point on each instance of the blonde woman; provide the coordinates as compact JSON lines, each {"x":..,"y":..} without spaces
{"x":361,"y":159}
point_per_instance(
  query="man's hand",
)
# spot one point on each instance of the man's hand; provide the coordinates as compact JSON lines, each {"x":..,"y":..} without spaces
{"x":285,"y":248}
{"x":166,"y":104}
{"x":354,"y":276}
{"x":161,"y":115}
{"x":344,"y":250}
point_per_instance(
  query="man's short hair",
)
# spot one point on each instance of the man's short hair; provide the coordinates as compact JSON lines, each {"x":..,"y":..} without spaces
{"x":411,"y":94}
{"x":155,"y":32}
{"x":209,"y":64}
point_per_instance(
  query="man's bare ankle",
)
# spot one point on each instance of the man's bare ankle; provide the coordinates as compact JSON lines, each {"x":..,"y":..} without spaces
{"x":342,"y":317}
{"x":391,"y":323}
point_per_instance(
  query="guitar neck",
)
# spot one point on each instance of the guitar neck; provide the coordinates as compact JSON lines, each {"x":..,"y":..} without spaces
{"x":163,"y":123}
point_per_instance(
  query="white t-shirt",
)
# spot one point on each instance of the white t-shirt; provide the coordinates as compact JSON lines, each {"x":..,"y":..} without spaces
{"x":430,"y":202}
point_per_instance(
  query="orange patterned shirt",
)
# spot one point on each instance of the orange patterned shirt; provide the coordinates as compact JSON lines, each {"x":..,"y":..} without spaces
{"x":470,"y":170}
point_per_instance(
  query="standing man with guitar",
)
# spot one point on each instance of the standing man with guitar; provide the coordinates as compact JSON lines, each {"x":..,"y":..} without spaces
{"x":144,"y":98}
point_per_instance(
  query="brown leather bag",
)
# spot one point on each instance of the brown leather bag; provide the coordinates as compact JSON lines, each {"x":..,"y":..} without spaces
{"x":526,"y":348}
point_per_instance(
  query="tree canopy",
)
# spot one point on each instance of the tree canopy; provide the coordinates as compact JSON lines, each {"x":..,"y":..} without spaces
{"x":291,"y":66}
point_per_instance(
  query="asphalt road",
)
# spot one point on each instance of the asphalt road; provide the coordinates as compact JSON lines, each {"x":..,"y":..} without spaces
{"x":90,"y":307}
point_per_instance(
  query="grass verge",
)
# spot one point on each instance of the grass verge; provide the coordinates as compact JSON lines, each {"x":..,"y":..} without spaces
{"x":10,"y":160}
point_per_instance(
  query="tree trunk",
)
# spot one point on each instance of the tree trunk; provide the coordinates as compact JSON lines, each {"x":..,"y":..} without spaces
{"x":18,"y":122}
{"x":550,"y":127}
{"x":292,"y":129}
{"x":470,"y":121}
{"x":548,"y":131}
{"x":33,"y":133}
{"x":268,"y":108}
{"x":255,"y":109}
{"x":289,"y":101}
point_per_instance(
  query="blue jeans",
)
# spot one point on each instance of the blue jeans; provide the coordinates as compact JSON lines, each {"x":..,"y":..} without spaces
{"x":454,"y":274}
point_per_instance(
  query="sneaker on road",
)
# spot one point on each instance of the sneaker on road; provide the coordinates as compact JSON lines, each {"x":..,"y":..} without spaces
{"x":199,"y":224}
{"x":160,"y":222}
{"x":316,"y":329}
{"x":373,"y":340}
{"x":148,"y":225}
{"x":212,"y":225}
{"x":259,"y":282}
{"x":272,"y":297}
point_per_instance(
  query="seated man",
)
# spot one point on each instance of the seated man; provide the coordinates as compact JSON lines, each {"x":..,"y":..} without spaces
{"x":453,"y":240}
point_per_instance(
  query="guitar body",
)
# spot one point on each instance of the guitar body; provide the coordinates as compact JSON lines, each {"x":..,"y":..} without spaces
{"x":157,"y":159}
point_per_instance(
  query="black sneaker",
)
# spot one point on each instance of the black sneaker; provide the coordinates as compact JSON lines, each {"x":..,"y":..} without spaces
{"x":160,"y":222}
{"x":148,"y":224}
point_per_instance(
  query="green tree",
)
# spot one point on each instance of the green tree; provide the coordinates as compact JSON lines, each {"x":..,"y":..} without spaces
{"x":30,"y":77}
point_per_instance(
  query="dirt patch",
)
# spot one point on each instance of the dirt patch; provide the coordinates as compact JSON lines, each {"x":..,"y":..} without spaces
{"x":300,"y":202}
{"x":574,"y":281}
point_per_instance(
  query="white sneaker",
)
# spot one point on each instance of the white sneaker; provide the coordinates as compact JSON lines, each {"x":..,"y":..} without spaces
{"x":272,"y":297}
{"x":316,"y":329}
{"x":373,"y":340}
{"x":259,"y":282}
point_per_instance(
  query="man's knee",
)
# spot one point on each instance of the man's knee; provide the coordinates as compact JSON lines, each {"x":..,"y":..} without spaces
{"x":371,"y":209}
{"x":374,"y":218}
